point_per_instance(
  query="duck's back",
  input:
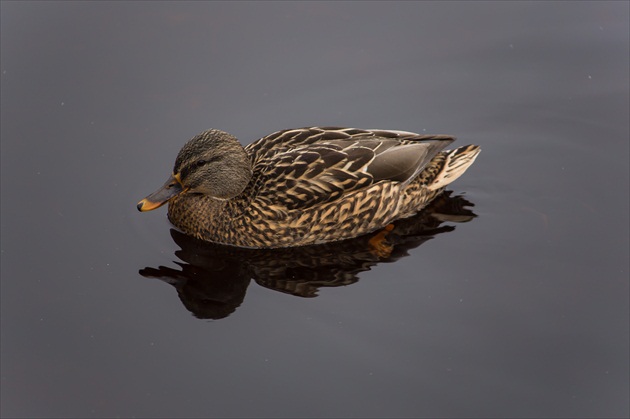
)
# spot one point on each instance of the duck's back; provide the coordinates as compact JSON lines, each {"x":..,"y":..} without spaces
{"x":291,"y":138}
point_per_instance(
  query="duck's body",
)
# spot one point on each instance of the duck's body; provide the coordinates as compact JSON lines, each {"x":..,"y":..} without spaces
{"x":305,"y":186}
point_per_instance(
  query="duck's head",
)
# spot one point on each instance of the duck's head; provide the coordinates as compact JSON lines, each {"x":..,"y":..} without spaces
{"x":213,"y":163}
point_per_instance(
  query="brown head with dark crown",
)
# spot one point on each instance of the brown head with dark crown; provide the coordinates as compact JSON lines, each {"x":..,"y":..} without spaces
{"x":212,"y":163}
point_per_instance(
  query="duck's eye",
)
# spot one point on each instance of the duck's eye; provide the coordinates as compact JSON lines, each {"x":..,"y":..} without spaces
{"x":200,"y":163}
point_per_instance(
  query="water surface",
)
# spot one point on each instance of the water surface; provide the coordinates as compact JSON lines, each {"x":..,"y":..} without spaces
{"x":518,"y":311}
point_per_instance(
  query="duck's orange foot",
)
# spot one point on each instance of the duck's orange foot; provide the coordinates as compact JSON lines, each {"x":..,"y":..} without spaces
{"x":379,"y":246}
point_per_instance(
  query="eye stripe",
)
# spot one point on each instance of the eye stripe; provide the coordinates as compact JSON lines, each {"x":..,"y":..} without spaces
{"x":186,"y":170}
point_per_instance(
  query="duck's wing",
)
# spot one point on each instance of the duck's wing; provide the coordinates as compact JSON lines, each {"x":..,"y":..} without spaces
{"x":287,"y":139}
{"x":330,"y":163}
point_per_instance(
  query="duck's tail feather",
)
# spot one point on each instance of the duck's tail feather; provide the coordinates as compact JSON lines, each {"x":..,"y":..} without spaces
{"x":454,"y":165}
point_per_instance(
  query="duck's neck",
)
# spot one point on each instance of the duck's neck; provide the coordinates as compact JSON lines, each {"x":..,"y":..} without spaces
{"x":197,"y":215}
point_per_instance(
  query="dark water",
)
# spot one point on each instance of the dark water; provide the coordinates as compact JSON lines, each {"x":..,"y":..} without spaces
{"x":520,"y":311}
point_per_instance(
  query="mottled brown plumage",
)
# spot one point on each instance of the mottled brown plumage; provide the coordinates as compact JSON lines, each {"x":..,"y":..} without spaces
{"x":305,"y":186}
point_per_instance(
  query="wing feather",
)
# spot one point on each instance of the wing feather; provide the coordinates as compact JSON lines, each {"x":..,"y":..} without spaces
{"x":301,"y":168}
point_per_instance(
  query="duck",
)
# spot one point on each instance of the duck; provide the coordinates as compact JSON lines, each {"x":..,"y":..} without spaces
{"x":305,"y":186}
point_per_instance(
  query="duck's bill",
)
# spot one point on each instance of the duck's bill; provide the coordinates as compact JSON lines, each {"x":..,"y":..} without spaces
{"x":171,"y":188}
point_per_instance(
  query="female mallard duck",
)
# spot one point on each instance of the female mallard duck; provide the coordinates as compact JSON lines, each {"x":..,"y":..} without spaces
{"x":304,"y":186}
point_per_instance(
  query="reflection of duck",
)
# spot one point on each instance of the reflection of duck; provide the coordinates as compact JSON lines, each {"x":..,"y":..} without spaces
{"x":305,"y":186}
{"x":214,"y":278}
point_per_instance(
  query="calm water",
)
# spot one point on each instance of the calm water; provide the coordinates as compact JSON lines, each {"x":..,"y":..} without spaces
{"x":510,"y":300}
